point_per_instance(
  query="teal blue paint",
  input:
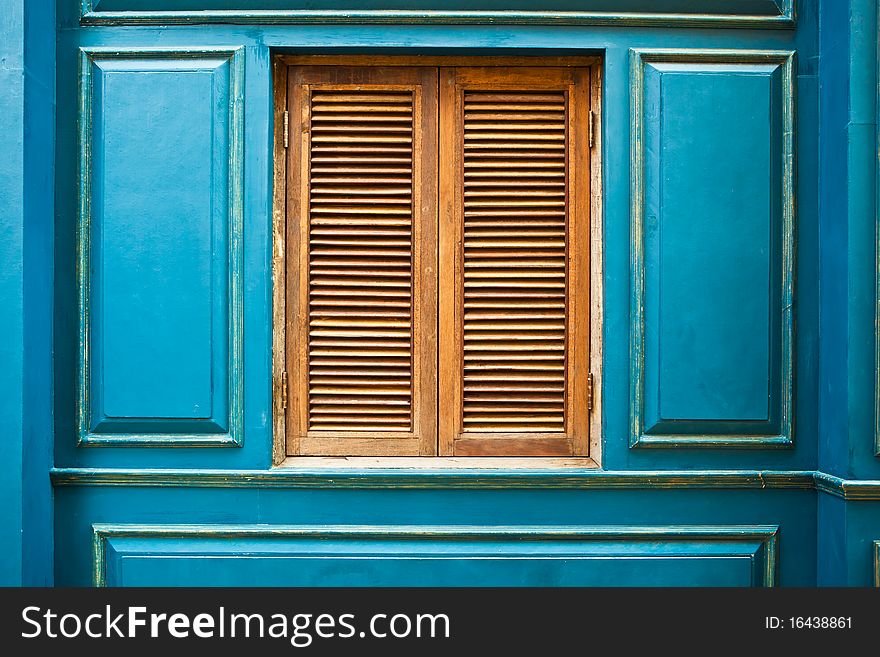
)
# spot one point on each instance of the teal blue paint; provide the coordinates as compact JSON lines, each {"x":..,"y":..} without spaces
{"x":709,"y":315}
{"x":849,"y":271}
{"x":877,"y":265}
{"x":193,"y":555}
{"x":27,"y":60}
{"x":831,"y":541}
{"x":481,"y":479}
{"x":39,"y":204}
{"x":849,"y":489}
{"x":693,"y":13}
{"x":119,"y":484}
{"x":257,"y":177}
{"x":140,"y":337}
{"x":833,"y":417}
{"x":713,"y":268}
{"x":317,"y":509}
{"x":159,"y":244}
{"x":737,"y":7}
{"x":439,"y":479}
{"x":849,"y":241}
{"x":12,"y":251}
{"x":860,"y":536}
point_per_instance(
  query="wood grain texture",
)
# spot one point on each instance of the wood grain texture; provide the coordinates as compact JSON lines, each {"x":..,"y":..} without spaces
{"x":597,"y":263}
{"x":510,"y":318}
{"x":279,"y":264}
{"x":514,"y":309}
{"x":363,"y":295}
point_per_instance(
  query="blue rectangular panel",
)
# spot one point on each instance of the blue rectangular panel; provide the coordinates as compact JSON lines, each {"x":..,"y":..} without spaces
{"x":713,"y":239}
{"x":159,"y":247}
{"x":738,"y":13}
{"x":738,"y":7}
{"x":207,"y":555}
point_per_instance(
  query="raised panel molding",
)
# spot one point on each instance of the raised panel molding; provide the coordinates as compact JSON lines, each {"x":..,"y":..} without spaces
{"x":159,"y":247}
{"x":713,"y":248}
{"x":688,"y":13}
{"x":876,"y":560}
{"x":413,"y":555}
{"x":877,"y":252}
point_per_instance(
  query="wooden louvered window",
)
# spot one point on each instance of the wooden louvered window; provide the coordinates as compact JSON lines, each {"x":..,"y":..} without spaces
{"x":437,"y":249}
{"x":362,"y":297}
{"x":514,"y":326}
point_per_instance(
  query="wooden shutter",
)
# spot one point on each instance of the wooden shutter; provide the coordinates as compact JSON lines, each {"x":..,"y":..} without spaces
{"x":362,"y":245}
{"x":514,"y":258}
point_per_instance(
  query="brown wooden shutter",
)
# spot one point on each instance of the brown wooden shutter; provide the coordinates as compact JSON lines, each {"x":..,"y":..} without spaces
{"x":514,"y":257}
{"x":362,"y":268}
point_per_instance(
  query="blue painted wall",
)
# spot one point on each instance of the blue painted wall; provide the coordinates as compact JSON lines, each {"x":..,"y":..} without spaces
{"x":27,"y":71}
{"x":849,"y":395}
{"x":849,"y":240}
{"x":259,"y":42}
{"x":755,"y":361}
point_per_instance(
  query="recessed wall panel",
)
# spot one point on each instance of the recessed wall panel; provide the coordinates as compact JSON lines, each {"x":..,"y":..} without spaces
{"x":253,"y":555}
{"x":713,"y":237}
{"x":160,"y":233}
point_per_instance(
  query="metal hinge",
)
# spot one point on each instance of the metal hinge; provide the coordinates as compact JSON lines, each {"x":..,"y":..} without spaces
{"x":286,"y":128}
{"x":283,"y":391}
{"x":592,"y":128}
{"x":590,"y":391}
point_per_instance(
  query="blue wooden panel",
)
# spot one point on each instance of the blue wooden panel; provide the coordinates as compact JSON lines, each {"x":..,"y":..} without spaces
{"x":713,"y":248}
{"x":261,"y":41}
{"x":738,"y":13}
{"x":160,"y":228}
{"x":665,"y":509}
{"x":206,"y":555}
{"x":743,"y":7}
{"x":27,"y":215}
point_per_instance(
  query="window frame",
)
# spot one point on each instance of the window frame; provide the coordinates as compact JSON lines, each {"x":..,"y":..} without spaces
{"x":281,"y":195}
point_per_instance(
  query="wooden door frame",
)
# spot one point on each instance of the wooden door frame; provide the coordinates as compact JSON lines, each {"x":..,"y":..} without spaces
{"x":280,"y":65}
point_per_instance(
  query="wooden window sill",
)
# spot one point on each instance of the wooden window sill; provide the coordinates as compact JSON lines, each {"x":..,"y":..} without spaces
{"x":435,"y":463}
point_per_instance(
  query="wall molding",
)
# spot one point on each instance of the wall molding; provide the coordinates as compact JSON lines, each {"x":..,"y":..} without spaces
{"x":639,"y":59}
{"x":785,"y":19}
{"x":348,"y":478}
{"x":876,"y":551}
{"x":847,"y":489}
{"x":766,"y":565}
{"x":385,"y":478}
{"x":235,"y":435}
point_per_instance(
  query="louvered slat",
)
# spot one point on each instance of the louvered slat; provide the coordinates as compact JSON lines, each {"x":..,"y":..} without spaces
{"x":514,"y":329}
{"x":360,"y":324}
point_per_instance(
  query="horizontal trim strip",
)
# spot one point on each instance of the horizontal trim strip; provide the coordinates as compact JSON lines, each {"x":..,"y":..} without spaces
{"x":848,"y":489}
{"x":569,"y":478}
{"x":464,"y":532}
{"x":733,"y":441}
{"x":436,"y":17}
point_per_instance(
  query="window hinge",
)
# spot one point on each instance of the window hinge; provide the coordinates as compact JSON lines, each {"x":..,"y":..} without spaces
{"x":283,"y":391}
{"x":592,"y":128}
{"x":590,"y":391}
{"x":286,"y":128}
